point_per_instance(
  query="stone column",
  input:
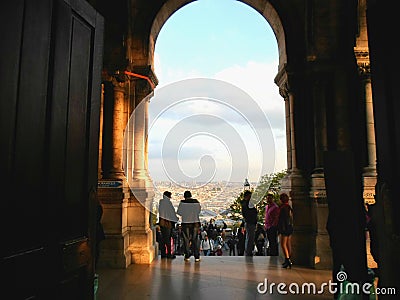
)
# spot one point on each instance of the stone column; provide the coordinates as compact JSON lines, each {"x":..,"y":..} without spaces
{"x":113,"y":190}
{"x":294,"y":184}
{"x":146,"y":134}
{"x":128,"y":133}
{"x":139,"y":171}
{"x":288,"y":130}
{"x":141,"y":246}
{"x":343,"y":175}
{"x":129,"y":159}
{"x":118,"y":132}
{"x":99,"y":164}
{"x":323,"y":252}
{"x":294,"y":169}
{"x":369,"y":173}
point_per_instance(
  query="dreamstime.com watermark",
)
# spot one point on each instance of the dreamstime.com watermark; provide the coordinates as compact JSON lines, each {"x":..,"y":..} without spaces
{"x":309,"y":288}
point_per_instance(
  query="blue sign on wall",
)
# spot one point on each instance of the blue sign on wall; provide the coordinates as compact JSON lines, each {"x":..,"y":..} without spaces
{"x":109,"y":184}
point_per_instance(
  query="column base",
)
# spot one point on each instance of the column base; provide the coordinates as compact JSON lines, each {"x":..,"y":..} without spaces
{"x":116,"y":174}
{"x":323,"y":251}
{"x":142,"y":249}
{"x":141,"y":241}
{"x":141,"y":176}
{"x":113,"y":195}
{"x":294,"y":182}
{"x":142,"y":189}
{"x":113,"y":252}
{"x":369,"y":182}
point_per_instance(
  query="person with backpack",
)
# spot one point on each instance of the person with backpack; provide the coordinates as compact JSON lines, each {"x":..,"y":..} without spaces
{"x":285,"y":229}
{"x":189,"y":210}
{"x":206,"y":246}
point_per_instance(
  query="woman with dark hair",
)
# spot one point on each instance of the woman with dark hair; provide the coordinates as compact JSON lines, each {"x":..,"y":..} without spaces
{"x":285,"y":229}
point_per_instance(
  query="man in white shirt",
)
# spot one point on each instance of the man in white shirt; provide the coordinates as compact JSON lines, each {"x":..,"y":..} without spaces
{"x":189,"y":209}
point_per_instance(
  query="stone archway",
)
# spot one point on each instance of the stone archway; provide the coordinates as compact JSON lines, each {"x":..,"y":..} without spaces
{"x":315,"y":79}
{"x":139,"y":53}
{"x":264,"y":8}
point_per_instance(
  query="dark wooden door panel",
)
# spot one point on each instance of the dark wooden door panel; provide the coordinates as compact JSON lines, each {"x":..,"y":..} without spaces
{"x":9,"y":70}
{"x":50,"y":74}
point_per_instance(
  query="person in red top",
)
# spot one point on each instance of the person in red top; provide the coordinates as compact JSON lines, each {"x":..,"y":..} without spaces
{"x":271,"y":223}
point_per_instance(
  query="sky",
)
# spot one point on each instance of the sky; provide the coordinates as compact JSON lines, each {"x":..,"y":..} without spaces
{"x":216,"y":114}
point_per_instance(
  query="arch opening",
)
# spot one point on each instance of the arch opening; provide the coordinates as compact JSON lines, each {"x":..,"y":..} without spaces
{"x":237,"y":58}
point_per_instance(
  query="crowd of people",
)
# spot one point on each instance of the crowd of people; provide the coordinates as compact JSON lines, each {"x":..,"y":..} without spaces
{"x":190,"y":237}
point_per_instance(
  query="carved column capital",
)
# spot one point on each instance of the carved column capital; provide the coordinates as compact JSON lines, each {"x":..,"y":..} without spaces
{"x":364,"y":70}
{"x":285,"y":81}
{"x":363,"y":63}
{"x":284,"y":91}
{"x":145,"y":78}
{"x":118,"y":78}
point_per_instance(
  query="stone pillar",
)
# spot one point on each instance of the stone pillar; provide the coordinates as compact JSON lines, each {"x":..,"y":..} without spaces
{"x":294,"y":184}
{"x":129,"y":158}
{"x":118,"y":132}
{"x":369,"y":173}
{"x":113,"y":190}
{"x":288,"y":130}
{"x":127,"y":162}
{"x":294,"y":170}
{"x":342,"y":165}
{"x":114,"y":196}
{"x":141,"y":246}
{"x":100,"y":158}
{"x":323,"y":251}
{"x":125,"y":190}
{"x":146,"y":133}
{"x":139,"y":171}
{"x":361,"y":51}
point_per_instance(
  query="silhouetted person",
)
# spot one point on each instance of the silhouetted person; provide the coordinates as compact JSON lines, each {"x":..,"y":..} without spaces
{"x":271,"y":223}
{"x":158,"y":237}
{"x":260,"y":239}
{"x":100,"y":235}
{"x":167,"y":221}
{"x":249,"y":213}
{"x":189,"y":209}
{"x":232,"y":241}
{"x":285,"y":229}
{"x":241,"y":235}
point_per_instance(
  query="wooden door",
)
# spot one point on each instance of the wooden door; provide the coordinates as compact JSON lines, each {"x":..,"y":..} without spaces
{"x":50,"y":68}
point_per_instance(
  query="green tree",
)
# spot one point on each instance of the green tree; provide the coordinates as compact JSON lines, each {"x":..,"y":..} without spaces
{"x":236,"y":208}
{"x":268,"y":183}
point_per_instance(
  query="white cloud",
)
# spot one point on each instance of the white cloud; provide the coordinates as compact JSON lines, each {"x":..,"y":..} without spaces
{"x":254,"y":78}
{"x":167,"y":74}
{"x":257,"y":79}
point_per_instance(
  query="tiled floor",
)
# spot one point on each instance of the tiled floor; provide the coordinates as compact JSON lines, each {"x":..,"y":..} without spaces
{"x":213,"y":278}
